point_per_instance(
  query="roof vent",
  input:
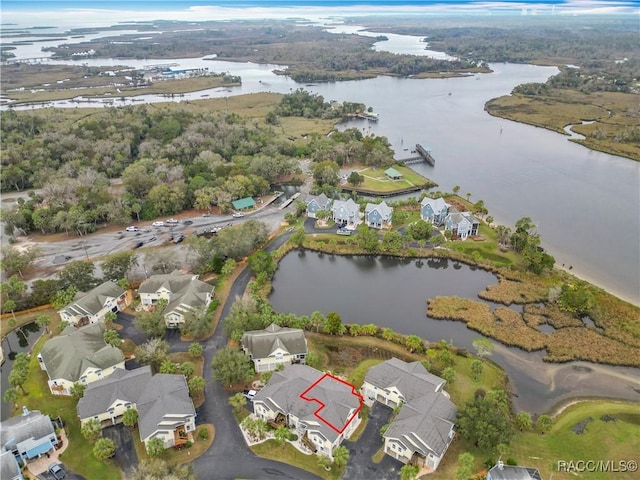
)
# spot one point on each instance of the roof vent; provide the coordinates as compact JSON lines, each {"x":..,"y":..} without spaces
{"x":500,"y":465}
{"x":25,"y":410}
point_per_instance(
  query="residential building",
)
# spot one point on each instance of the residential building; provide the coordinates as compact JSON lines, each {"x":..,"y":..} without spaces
{"x":393,"y":174}
{"x":424,"y":427}
{"x":315,"y":203}
{"x":434,"y":210}
{"x":512,"y":472}
{"x":92,"y":306}
{"x":274,"y":346}
{"x":25,"y":437}
{"x":78,"y":355}
{"x":461,"y":224}
{"x":9,"y":467}
{"x":378,"y":215}
{"x":165,"y":409}
{"x":323,"y":410}
{"x":184,"y":293}
{"x":346,"y":213}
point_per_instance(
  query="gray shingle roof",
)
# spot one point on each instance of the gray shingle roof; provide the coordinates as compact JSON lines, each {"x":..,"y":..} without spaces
{"x":437,"y":204}
{"x":23,"y":427}
{"x":510,"y":472}
{"x":8,"y":466}
{"x":126,"y":385}
{"x":185,"y":290}
{"x":321,"y":200}
{"x":425,"y":420}
{"x":164,"y":396}
{"x":352,"y":209}
{"x":382,"y":207}
{"x":411,"y":379}
{"x":68,"y":356}
{"x":283,"y":394}
{"x":262,"y":343}
{"x":93,"y":301}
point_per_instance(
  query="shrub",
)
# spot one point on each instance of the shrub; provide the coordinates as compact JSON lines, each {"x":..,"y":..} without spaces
{"x":203,"y":433}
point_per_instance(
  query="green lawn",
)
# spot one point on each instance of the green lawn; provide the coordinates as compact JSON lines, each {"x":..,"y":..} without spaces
{"x":487,"y":249}
{"x":376,"y":181}
{"x":78,"y":456}
{"x":615,"y":440}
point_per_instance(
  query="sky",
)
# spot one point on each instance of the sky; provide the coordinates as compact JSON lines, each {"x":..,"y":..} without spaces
{"x":104,"y":12}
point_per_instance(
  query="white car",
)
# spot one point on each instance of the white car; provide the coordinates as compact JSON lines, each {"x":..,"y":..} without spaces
{"x":131,"y":229}
{"x":172,"y":220}
{"x":238,"y":215}
{"x":157,"y":224}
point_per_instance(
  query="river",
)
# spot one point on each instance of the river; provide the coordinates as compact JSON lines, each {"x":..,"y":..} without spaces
{"x":584,"y":203}
{"x":393,"y":292}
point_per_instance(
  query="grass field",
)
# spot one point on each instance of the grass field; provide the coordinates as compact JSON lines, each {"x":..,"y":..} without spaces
{"x":376,"y":181}
{"x":601,"y":440}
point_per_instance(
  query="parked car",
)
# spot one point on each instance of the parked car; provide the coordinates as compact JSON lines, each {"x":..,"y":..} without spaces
{"x":343,"y":231}
{"x":56,"y":470}
{"x":132,"y":228}
{"x":171,"y":220}
{"x":187,"y":222}
{"x":138,"y":244}
{"x":178,"y":238}
{"x":238,"y":215}
{"x":249,"y":394}
{"x":157,"y":224}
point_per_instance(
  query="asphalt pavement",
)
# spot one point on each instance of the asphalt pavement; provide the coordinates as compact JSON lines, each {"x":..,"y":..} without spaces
{"x":122,"y":437}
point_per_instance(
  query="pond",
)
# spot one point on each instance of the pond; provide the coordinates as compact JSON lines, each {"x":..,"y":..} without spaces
{"x":392,"y":292}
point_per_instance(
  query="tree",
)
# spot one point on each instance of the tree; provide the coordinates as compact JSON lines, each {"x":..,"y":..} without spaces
{"x":544,"y":423}
{"x":409,"y":472}
{"x":449,"y":375}
{"x":153,"y":352}
{"x":228,"y":267}
{"x":195,"y":349}
{"x":489,"y":220}
{"x":196,"y":385}
{"x":168,"y":367}
{"x":18,"y":377}
{"x":476,"y":369}
{"x":197,"y":323}
{"x":392,"y":241}
{"x":484,"y":423}
{"x":187,"y":369}
{"x":16,"y":261}
{"x":156,"y":469}
{"x":324,"y":462}
{"x":78,"y":274}
{"x":523,"y":421}
{"x":11,"y":396}
{"x":414,"y":343}
{"x":420,"y":230}
{"x":340,"y":456}
{"x":104,"y":448}
{"x":367,"y":238}
{"x":112,"y":337}
{"x":465,"y":466}
{"x":152,"y":324}
{"x":483,"y":346}
{"x":333,"y":324}
{"x":262,"y":262}
{"x":91,"y":429}
{"x":231,"y":366}
{"x":281,"y":435}
{"x":43,"y":321}
{"x":325,"y":172}
{"x":130,"y":417}
{"x":155,"y":447}
{"x":577,"y":298}
{"x":355,"y":179}
{"x":456,"y":189}
{"x":117,"y":265}
{"x":238,"y":401}
{"x":77,"y":390}
{"x":64,"y":297}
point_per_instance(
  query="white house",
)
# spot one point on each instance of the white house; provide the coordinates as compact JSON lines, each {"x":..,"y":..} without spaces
{"x":164,"y":407}
{"x":92,"y":306}
{"x":183,"y":293}
{"x":78,"y":355}
{"x":274,"y":346}
{"x":321,"y":409}
{"x":423,"y":429}
{"x":461,"y":224}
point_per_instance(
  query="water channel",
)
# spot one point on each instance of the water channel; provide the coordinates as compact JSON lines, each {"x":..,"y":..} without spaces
{"x":392,"y":292}
{"x":583,"y":202}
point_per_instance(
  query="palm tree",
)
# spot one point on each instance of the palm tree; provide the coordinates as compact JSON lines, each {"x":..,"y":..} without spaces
{"x":238,"y":401}
{"x":11,"y":396}
{"x":43,"y":321}
{"x":340,"y":456}
{"x":130,"y":417}
{"x":281,"y":434}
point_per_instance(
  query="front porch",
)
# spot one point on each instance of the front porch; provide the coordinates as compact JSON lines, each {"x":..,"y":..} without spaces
{"x":181,"y":437}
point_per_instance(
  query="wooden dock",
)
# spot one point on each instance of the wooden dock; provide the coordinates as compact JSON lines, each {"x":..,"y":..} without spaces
{"x":287,"y":202}
{"x":423,"y":155}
